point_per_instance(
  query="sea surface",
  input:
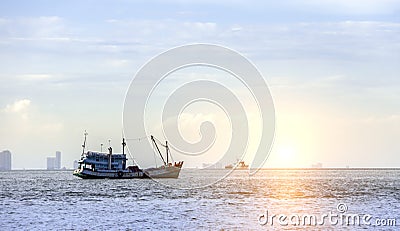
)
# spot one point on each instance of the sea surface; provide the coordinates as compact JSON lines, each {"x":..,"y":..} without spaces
{"x":57,"y":200}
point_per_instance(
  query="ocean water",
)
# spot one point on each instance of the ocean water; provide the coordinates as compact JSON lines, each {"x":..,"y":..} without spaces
{"x":57,"y":200}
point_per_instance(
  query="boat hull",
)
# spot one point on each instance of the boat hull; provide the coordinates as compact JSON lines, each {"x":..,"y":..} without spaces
{"x":163,"y":172}
{"x":237,"y":168}
{"x":108,"y":174}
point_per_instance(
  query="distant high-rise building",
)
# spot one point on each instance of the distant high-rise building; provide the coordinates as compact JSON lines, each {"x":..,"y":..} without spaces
{"x":75,"y":164}
{"x":54,"y":163}
{"x":51,"y":163}
{"x":58,"y":160}
{"x":5,"y":160}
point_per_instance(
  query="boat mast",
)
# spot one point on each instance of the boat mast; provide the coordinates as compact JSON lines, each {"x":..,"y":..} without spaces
{"x":123,"y":146}
{"x":166,"y":149}
{"x":109,"y":157}
{"x":84,"y":143}
{"x":152,"y":139}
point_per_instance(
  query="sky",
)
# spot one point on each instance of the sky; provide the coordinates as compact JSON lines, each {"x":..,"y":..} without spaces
{"x":332,"y":68}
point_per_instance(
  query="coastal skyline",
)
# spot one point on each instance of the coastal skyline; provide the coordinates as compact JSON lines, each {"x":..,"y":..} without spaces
{"x":332,"y":69}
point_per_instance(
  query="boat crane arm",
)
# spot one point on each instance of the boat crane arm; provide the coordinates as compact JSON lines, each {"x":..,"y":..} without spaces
{"x":154,"y":142}
{"x":167,"y":150}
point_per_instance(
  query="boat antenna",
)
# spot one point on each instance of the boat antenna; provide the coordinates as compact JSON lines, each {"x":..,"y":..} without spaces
{"x":84,"y":142}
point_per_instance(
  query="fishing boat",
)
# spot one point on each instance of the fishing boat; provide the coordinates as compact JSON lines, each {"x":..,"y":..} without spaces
{"x":98,"y":165}
{"x":168,"y":169}
{"x":239,"y":165}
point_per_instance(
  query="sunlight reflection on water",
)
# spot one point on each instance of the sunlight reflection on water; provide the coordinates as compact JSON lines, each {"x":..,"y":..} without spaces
{"x":56,"y":200}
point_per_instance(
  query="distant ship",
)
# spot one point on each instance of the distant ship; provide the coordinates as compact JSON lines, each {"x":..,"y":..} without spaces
{"x":239,"y":165}
{"x":97,"y":165}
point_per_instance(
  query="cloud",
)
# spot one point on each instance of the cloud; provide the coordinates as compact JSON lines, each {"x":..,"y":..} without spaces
{"x":118,"y":63}
{"x":145,"y":31}
{"x":344,"y":39}
{"x":28,"y":119}
{"x":32,"y":27}
{"x":3,"y":21}
{"x":357,"y":5}
{"x":353,"y":6}
{"x":207,"y":26}
{"x":123,"y":45}
{"x":18,"y":106}
{"x":34,"y":76}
